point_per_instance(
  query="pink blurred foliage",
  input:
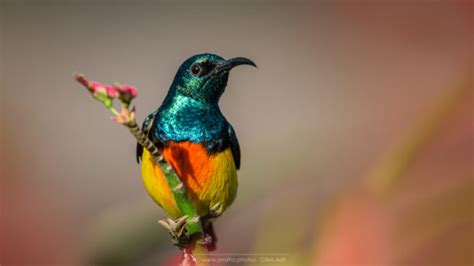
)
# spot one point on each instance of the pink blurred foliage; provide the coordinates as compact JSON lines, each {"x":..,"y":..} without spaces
{"x":34,"y":227}
{"x":426,"y":220}
{"x":358,"y":233}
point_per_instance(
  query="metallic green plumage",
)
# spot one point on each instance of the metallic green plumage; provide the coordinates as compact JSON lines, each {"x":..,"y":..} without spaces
{"x":190,"y":111}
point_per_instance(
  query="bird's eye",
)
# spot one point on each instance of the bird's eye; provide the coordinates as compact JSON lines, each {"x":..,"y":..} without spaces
{"x":196,"y":69}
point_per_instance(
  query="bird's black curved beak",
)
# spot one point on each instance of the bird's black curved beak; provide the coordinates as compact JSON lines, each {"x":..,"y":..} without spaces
{"x":233,"y":62}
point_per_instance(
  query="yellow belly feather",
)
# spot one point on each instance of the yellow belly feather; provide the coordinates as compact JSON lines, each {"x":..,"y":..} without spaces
{"x":208,"y":180}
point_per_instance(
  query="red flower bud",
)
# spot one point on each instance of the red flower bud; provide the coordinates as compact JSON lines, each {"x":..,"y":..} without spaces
{"x":98,"y":89}
{"x":126,"y":93}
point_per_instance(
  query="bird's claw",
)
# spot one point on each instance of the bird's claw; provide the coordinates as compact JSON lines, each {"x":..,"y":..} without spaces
{"x":177,"y":230}
{"x":206,"y":240}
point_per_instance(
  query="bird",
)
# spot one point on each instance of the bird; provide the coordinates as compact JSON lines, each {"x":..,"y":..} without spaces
{"x":194,"y":137}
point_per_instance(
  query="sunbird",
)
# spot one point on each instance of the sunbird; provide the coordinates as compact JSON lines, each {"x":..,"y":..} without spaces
{"x":196,"y":139}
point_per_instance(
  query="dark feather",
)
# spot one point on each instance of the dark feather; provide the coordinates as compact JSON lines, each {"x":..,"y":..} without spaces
{"x":221,"y":144}
{"x":234,"y":146}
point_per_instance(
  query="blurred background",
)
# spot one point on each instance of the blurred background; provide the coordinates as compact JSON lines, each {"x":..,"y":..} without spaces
{"x":356,"y":130}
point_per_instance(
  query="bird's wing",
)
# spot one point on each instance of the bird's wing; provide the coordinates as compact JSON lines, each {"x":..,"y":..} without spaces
{"x":234,"y":146}
{"x":146,"y":128}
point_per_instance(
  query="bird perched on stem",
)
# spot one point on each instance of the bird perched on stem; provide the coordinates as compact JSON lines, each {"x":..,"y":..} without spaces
{"x":195,"y":138}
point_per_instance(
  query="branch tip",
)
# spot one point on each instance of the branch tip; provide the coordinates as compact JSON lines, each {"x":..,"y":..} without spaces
{"x":77,"y":75}
{"x":126,"y":93}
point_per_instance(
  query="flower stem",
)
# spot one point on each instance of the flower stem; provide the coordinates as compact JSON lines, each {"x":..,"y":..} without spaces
{"x":177,"y":187}
{"x":127,"y":118}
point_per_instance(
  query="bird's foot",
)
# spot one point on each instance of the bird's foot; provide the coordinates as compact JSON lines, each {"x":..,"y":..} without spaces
{"x":177,"y":230}
{"x":206,"y":240}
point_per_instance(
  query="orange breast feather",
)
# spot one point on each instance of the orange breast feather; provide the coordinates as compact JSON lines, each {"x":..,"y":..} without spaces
{"x":191,"y":163}
{"x":208,"y":179}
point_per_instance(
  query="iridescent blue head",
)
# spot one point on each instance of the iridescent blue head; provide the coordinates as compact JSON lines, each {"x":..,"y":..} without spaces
{"x":203,"y":77}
